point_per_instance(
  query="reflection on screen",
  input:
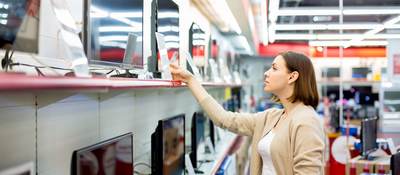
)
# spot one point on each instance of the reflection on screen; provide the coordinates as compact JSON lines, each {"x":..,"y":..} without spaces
{"x":168,"y":24}
{"x":173,"y":152}
{"x":110,"y":24}
{"x":114,"y":158}
{"x":199,"y":45}
{"x":19,"y":24}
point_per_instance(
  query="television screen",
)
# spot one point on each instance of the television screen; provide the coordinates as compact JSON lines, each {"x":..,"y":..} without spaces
{"x":197,"y":44}
{"x":331,"y":72}
{"x":360,"y":72}
{"x":168,"y":25}
{"x":368,"y":136}
{"x":168,"y":146}
{"x":110,"y":157}
{"x":108,"y":26}
{"x":199,"y":123}
{"x":19,"y":25}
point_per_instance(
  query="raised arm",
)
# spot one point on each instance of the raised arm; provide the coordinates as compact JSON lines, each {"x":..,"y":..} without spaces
{"x":236,"y":122}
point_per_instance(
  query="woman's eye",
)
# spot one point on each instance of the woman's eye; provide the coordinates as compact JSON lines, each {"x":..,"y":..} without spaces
{"x":273,"y":68}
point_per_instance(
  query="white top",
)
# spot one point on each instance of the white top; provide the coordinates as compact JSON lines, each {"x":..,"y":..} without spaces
{"x":264,"y":149}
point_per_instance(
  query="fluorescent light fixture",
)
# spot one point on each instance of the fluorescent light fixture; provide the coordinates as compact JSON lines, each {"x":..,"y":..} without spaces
{"x":327,"y":11}
{"x":167,"y":14}
{"x":171,"y":45}
{"x":167,"y":28}
{"x":199,"y":42}
{"x":120,"y":29}
{"x":350,"y":26}
{"x":341,"y":43}
{"x":199,"y":36}
{"x":388,"y":10}
{"x":4,"y":21}
{"x":171,"y":38}
{"x":373,"y":32}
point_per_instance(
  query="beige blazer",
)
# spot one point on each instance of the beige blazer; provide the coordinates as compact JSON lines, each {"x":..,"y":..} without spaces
{"x":297,"y":147}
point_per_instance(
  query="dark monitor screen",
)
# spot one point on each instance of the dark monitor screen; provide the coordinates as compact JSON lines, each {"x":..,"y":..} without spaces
{"x":108,"y":25}
{"x":168,"y":146}
{"x":331,"y":72}
{"x":199,"y":123}
{"x":19,"y":25}
{"x":360,"y":72}
{"x":168,"y":25}
{"x":368,"y":135}
{"x":110,"y":157}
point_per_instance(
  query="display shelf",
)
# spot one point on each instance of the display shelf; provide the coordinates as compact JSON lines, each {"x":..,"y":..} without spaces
{"x":18,"y":81}
{"x":356,"y":82}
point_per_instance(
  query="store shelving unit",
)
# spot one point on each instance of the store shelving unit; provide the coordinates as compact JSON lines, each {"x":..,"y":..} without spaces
{"x":16,"y":81}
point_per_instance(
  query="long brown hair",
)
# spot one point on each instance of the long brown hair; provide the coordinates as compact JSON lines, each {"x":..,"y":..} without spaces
{"x":305,"y":88}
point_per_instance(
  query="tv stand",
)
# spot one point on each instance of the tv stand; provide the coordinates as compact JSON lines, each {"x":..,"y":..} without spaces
{"x":127,"y":74}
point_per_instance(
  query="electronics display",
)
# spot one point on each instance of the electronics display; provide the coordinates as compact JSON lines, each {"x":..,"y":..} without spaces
{"x":197,"y":46}
{"x":199,"y":123}
{"x":168,"y":146}
{"x":369,"y":129}
{"x":331,"y":72}
{"x":168,"y":25}
{"x":23,"y":169}
{"x":110,"y":157}
{"x":360,"y":72}
{"x":19,"y":25}
{"x":108,"y":26}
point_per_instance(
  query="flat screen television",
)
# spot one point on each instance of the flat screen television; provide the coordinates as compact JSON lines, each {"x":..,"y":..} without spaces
{"x":23,"y":169}
{"x":109,"y":157}
{"x":168,"y":146}
{"x":360,"y":72}
{"x":19,"y":25}
{"x":331,"y":72}
{"x":108,"y":26}
{"x":197,"y":45}
{"x":369,"y":129}
{"x":168,"y":25}
{"x":199,"y":123}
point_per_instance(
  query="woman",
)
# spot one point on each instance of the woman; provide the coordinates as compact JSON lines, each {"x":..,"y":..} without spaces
{"x":285,"y":141}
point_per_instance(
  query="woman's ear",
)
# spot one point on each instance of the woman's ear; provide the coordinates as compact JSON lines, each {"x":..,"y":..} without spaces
{"x":293,"y":77}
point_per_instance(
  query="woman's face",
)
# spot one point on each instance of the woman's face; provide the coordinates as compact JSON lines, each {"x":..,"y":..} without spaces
{"x":276,"y":77}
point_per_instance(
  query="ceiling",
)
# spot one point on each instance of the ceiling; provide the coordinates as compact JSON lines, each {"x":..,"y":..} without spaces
{"x":314,"y":21}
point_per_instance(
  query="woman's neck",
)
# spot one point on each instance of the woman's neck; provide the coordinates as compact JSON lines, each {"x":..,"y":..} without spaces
{"x":288,"y":106}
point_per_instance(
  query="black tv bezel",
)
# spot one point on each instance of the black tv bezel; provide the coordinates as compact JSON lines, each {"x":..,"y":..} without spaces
{"x":157,"y":147}
{"x":74,"y":160}
{"x":364,"y":152}
{"x":86,"y":42}
{"x":194,"y":140}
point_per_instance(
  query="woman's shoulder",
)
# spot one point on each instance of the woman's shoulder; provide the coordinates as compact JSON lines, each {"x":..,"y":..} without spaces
{"x":305,"y":115}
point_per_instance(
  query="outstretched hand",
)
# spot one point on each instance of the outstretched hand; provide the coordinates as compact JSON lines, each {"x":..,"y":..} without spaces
{"x":180,"y":74}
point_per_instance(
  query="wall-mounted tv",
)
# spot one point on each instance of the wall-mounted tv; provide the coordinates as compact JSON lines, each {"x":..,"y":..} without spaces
{"x":108,"y":26}
{"x":168,"y":146}
{"x":111,"y":157}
